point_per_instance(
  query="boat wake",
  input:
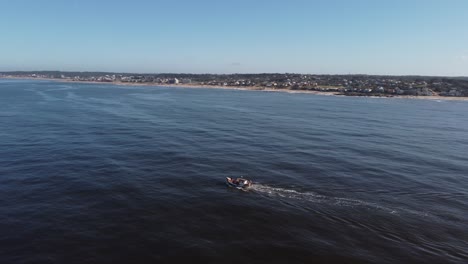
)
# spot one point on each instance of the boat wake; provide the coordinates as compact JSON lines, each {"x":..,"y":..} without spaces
{"x":312,"y":197}
{"x":317,"y":198}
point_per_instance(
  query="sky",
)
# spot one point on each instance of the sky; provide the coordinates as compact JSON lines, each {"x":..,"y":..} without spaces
{"x":397,"y":37}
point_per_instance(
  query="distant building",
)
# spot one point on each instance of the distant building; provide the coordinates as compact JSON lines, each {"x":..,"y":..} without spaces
{"x":425,"y":92}
{"x":454,"y":92}
{"x":174,"y":81}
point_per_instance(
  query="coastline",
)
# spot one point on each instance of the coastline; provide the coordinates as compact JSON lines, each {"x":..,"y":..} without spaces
{"x":247,"y":88}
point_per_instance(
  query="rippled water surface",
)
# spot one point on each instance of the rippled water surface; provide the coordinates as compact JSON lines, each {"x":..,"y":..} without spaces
{"x":113,"y":174}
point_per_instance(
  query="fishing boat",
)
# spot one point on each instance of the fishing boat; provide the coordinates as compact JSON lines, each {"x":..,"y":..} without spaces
{"x":239,"y":183}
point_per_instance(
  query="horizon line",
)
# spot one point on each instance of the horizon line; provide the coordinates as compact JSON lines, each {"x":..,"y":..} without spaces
{"x":258,"y":73}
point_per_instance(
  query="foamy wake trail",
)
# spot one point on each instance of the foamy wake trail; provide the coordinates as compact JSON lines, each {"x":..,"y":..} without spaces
{"x":317,"y":198}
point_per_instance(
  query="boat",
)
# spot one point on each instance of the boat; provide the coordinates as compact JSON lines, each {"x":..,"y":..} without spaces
{"x":239,"y":183}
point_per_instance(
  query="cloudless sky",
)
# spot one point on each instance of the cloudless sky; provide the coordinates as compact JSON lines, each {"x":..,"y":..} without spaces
{"x":403,"y":37}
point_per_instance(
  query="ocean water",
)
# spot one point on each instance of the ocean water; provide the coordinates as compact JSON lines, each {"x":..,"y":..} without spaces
{"x":112,"y":174}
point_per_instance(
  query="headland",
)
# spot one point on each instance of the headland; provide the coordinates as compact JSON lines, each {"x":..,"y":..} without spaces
{"x":411,"y":87}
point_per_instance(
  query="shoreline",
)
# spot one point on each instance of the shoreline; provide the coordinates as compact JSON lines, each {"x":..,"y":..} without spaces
{"x":246,"y":88}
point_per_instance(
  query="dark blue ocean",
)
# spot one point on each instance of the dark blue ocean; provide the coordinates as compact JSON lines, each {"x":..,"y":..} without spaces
{"x":117,"y":174}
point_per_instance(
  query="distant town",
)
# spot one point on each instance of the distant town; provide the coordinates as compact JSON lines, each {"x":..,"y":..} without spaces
{"x":352,"y":85}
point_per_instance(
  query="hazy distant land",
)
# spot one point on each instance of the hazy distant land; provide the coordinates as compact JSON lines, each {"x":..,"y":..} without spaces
{"x":420,"y":87}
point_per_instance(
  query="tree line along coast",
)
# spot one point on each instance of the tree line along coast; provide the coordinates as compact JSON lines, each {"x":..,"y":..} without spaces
{"x":352,"y":85}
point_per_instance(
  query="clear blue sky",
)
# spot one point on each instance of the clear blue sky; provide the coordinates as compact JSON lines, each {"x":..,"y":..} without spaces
{"x":428,"y":37}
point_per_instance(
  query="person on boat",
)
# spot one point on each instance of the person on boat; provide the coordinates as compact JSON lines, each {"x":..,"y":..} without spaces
{"x":239,"y":181}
